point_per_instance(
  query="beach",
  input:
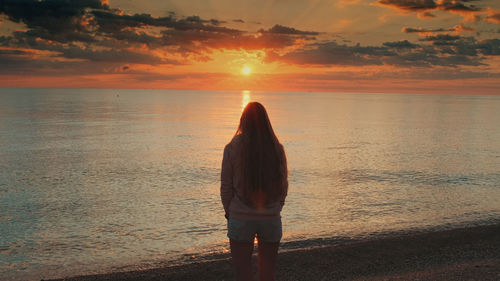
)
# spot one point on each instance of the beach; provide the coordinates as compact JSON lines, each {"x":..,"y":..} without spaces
{"x":471,"y":253}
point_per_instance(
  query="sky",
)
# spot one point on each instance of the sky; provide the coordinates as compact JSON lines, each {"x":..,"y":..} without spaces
{"x":380,"y":46}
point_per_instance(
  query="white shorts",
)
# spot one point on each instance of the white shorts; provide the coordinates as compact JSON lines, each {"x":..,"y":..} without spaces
{"x":245,"y":230}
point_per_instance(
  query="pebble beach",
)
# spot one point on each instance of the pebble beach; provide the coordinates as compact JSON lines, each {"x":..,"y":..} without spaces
{"x":471,"y":253}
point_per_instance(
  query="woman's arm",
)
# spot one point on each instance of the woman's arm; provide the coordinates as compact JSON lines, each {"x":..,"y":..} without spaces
{"x":284,"y":192}
{"x":226,"y":186}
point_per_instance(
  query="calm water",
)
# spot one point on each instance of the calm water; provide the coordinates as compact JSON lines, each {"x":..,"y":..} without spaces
{"x":100,"y":180}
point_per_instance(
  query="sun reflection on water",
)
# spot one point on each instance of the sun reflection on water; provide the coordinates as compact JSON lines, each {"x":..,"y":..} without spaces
{"x":245,"y":99}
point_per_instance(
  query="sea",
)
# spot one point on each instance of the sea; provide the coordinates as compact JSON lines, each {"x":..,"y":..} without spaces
{"x":104,"y":180}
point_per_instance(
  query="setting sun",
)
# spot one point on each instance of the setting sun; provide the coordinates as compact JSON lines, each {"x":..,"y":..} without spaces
{"x":246,"y":70}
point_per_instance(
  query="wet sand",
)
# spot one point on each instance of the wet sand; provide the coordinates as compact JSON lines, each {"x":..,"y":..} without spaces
{"x":461,"y":254}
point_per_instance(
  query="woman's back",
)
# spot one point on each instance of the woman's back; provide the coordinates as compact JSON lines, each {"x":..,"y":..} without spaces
{"x":234,"y":196}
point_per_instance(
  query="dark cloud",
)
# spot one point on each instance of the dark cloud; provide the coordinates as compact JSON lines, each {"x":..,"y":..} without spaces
{"x":464,"y":46}
{"x":419,"y":30}
{"x":489,"y":47}
{"x":400,"y":45}
{"x":216,"y":22}
{"x":442,"y":39}
{"x":131,"y":37}
{"x":457,"y":28}
{"x":81,"y":52}
{"x":110,"y":55}
{"x":428,"y":59}
{"x":458,"y":6}
{"x":60,"y":20}
{"x":92,"y":31}
{"x":61,"y":37}
{"x":410,"y":5}
{"x":34,"y":13}
{"x":9,"y":52}
{"x":239,"y":20}
{"x":199,"y":40}
{"x":280,"y":29}
{"x":438,"y":50}
{"x":424,"y":6}
{"x":110,"y":22}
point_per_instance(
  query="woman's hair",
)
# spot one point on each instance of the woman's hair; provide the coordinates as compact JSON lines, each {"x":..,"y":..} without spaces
{"x":264,"y":167}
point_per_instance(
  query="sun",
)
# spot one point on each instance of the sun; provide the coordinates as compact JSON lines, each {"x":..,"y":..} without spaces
{"x":246,"y":70}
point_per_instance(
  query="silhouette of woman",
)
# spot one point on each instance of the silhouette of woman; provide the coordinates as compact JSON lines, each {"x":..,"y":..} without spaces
{"x":254,"y":185}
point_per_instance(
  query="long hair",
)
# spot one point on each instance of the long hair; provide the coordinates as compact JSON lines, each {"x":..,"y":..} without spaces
{"x":263,"y":158}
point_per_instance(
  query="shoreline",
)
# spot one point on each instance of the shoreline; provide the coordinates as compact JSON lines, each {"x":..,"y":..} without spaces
{"x":471,"y":253}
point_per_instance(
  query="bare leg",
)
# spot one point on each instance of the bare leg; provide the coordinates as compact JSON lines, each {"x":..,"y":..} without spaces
{"x":268,"y":253}
{"x":241,"y":253}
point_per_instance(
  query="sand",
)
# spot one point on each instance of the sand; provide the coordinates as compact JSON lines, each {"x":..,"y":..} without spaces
{"x":461,"y":254}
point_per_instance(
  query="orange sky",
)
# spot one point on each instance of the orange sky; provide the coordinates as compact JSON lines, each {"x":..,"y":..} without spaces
{"x":394,"y":46}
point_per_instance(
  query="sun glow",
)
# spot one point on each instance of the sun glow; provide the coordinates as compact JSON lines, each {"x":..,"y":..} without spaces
{"x":246,"y":70}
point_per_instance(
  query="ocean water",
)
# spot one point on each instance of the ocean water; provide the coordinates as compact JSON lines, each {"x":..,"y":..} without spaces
{"x":94,"y":181}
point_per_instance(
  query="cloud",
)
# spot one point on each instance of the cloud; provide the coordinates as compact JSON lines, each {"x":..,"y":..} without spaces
{"x":442,"y":39}
{"x":467,"y":46}
{"x":423,"y":7}
{"x":410,"y":5}
{"x":426,"y":15}
{"x":109,"y":55}
{"x":442,"y":50}
{"x":99,"y":53}
{"x":490,"y":47}
{"x":332,"y":53}
{"x":460,"y":28}
{"x":388,"y":73}
{"x":32,"y":62}
{"x":111,"y":21}
{"x":54,"y":20}
{"x":420,"y":30}
{"x":400,"y":45}
{"x":9,"y":52}
{"x":280,"y":29}
{"x":458,"y":6}
{"x":91,"y":30}
{"x":457,"y":28}
{"x":198,"y":40}
{"x":493,"y":16}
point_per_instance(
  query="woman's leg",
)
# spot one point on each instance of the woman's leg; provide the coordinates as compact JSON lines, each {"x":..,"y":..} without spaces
{"x":241,"y":253}
{"x":268,"y":253}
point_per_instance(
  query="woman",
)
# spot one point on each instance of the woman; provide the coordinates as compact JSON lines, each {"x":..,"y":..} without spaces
{"x":253,"y":189}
